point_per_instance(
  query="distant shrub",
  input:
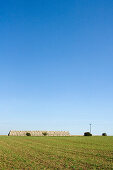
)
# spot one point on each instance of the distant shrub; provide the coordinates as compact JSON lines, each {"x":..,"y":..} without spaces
{"x":104,"y":134}
{"x":28,"y":134}
{"x":87,"y":134}
{"x":44,"y":133}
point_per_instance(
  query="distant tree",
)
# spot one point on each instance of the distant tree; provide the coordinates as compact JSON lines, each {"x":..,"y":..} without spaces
{"x":87,"y":134}
{"x":44,"y":133}
{"x":9,"y":133}
{"x":28,"y":134}
{"x":104,"y":134}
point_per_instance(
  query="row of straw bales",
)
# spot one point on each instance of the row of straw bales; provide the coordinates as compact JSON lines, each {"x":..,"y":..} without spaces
{"x":38,"y":133}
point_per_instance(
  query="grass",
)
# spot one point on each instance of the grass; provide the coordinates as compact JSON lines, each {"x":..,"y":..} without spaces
{"x":76,"y":152}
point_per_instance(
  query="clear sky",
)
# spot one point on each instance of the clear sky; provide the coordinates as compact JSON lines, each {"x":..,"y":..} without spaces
{"x":56,"y":65}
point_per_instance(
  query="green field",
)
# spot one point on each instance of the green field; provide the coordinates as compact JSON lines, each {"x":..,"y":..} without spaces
{"x":76,"y":152}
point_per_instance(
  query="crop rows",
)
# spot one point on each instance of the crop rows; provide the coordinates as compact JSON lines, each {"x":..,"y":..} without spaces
{"x":56,"y":152}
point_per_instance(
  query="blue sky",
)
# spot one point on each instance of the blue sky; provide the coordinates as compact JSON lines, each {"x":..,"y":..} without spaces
{"x":56,"y":65}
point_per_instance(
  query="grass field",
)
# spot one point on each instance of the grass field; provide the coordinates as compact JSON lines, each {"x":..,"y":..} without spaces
{"x":76,"y":152}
